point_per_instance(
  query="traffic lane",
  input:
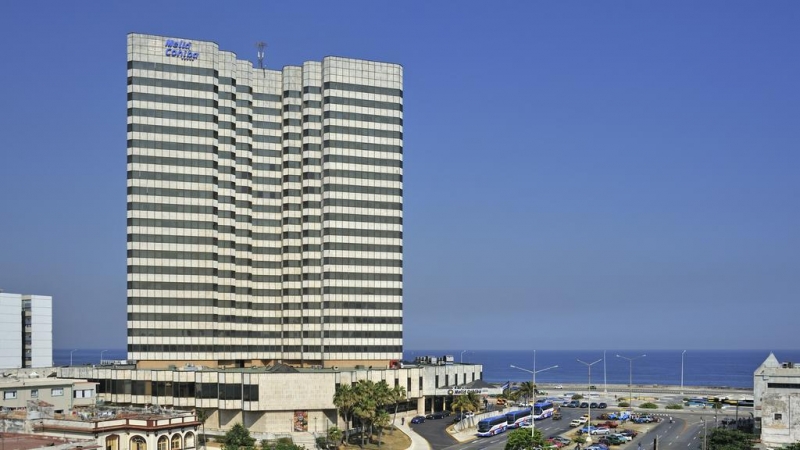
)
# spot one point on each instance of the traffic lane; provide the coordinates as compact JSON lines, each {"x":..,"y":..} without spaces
{"x":435,"y":432}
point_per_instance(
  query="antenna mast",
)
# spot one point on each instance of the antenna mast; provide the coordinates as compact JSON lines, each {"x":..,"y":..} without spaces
{"x":260,"y":46}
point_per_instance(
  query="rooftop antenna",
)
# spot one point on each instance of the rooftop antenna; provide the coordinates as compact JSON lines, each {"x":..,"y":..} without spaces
{"x":260,"y":46}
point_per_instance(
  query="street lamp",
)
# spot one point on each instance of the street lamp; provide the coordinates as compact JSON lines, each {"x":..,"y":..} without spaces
{"x":70,"y":356}
{"x":101,"y":356}
{"x":683,"y":353}
{"x":462,"y":356}
{"x":533,"y":373}
{"x":589,"y":422}
{"x":605,"y":381}
{"x":630,"y":377}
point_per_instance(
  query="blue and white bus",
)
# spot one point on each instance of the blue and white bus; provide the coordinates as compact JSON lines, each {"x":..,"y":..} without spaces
{"x":492,"y":425}
{"x":543,"y":410}
{"x":517,"y":418}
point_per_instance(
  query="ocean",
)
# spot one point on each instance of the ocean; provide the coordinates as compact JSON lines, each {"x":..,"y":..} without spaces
{"x":720,"y":368}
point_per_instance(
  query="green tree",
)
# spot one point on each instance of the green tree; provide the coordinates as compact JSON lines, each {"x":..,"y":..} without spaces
{"x":398,"y":395}
{"x":382,"y":420}
{"x":527,"y":390}
{"x":238,"y":438}
{"x":521,"y":439}
{"x":795,"y":446}
{"x":202,"y":416}
{"x":334,"y":435}
{"x":345,"y":400}
{"x":724,"y":439}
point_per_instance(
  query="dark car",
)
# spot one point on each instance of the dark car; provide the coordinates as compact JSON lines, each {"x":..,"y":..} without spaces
{"x":584,"y":405}
{"x":573,"y":404}
{"x":436,"y":415}
{"x":602,"y":405}
{"x":418,"y":419}
{"x":594,"y":405}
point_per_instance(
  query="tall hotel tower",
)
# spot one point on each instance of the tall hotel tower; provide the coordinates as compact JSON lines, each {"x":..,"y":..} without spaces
{"x":265,"y":209}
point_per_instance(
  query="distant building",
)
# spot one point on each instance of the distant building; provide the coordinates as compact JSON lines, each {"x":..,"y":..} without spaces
{"x":26,"y":331}
{"x":265,"y":209}
{"x":776,"y":391}
{"x":58,"y":393}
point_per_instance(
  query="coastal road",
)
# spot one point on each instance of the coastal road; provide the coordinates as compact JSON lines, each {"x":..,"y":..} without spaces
{"x":685,"y":433}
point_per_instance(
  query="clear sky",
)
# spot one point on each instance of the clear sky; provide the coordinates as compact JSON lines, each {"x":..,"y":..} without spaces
{"x":578,"y":174}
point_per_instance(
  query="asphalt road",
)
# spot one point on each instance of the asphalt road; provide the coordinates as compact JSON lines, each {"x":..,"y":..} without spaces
{"x":685,"y":433}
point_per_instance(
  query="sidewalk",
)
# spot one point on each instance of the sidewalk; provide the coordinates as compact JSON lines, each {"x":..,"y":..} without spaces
{"x":417,"y":441}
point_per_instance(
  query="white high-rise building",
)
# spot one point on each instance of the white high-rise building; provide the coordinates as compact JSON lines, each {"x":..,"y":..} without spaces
{"x":265,"y":209}
{"x":26,"y":331}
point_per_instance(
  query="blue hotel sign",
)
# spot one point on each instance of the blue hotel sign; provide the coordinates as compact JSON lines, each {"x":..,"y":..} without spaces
{"x":180,"y":49}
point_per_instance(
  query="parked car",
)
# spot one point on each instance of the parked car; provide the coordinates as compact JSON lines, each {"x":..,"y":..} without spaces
{"x":574,"y":404}
{"x":629,"y":432}
{"x":588,"y":429}
{"x":558,"y":386}
{"x":622,"y":436}
{"x":593,"y":405}
{"x":576,"y":423}
{"x":553,"y":442}
{"x":584,"y":405}
{"x":613,"y":440}
{"x":602,"y":431}
{"x":602,"y":405}
{"x":418,"y":419}
{"x":563,"y":440}
{"x":437,"y":415}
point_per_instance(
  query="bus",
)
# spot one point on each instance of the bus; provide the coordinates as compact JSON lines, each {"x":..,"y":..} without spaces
{"x":492,"y":425}
{"x":543,"y":410}
{"x":515,"y":419}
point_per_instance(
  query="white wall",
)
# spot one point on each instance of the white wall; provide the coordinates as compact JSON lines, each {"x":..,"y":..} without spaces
{"x":10,"y":331}
{"x":41,"y":330}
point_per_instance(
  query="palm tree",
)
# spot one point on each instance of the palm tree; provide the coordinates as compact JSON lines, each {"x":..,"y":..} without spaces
{"x":527,"y":390}
{"x":366,"y":406}
{"x":202,"y":415}
{"x":345,"y":399}
{"x":398,"y":394}
{"x":381,"y":421}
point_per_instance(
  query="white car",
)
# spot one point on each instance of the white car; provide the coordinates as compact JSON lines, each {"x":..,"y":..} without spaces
{"x":559,"y":387}
{"x":601,"y":431}
{"x":622,"y":436}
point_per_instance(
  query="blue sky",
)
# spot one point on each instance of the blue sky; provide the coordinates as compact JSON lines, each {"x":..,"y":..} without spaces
{"x":575,"y":172}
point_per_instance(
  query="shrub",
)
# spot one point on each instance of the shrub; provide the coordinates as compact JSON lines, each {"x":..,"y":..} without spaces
{"x":648,"y":405}
{"x":577,"y":396}
{"x":623,"y":404}
{"x":674,"y":406}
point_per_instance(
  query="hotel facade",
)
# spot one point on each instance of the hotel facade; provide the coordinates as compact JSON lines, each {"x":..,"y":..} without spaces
{"x":26,"y":331}
{"x":264,"y":209}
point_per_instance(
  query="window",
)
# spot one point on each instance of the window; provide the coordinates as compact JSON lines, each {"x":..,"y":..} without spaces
{"x":778,"y":416}
{"x":176,"y":442}
{"x":138,"y":443}
{"x":112,"y":442}
{"x":9,"y":395}
{"x":163,"y":443}
{"x":57,"y":392}
{"x":34,"y":393}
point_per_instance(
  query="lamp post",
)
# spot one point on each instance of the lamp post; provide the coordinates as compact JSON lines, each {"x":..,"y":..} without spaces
{"x":630,"y":377}
{"x":533,"y":373}
{"x":462,"y":356}
{"x":70,"y":356}
{"x":101,"y":356}
{"x":605,"y":380}
{"x":589,"y":422}
{"x":683,"y":353}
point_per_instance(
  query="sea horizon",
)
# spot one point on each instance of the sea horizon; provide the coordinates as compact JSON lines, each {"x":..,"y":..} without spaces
{"x":718,"y":368}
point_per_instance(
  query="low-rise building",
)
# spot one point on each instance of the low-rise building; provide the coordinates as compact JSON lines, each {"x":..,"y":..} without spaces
{"x":269,"y":399}
{"x":776,"y":391}
{"x":21,"y":388}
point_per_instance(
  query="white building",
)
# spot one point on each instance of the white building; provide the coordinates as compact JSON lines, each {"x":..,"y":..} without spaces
{"x":776,"y":391}
{"x":26,"y":331}
{"x":265,"y":209}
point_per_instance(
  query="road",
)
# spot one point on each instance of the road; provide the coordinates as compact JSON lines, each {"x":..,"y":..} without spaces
{"x":685,"y":433}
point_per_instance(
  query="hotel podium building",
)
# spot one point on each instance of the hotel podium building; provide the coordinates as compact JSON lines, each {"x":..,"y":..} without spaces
{"x":265,"y":209}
